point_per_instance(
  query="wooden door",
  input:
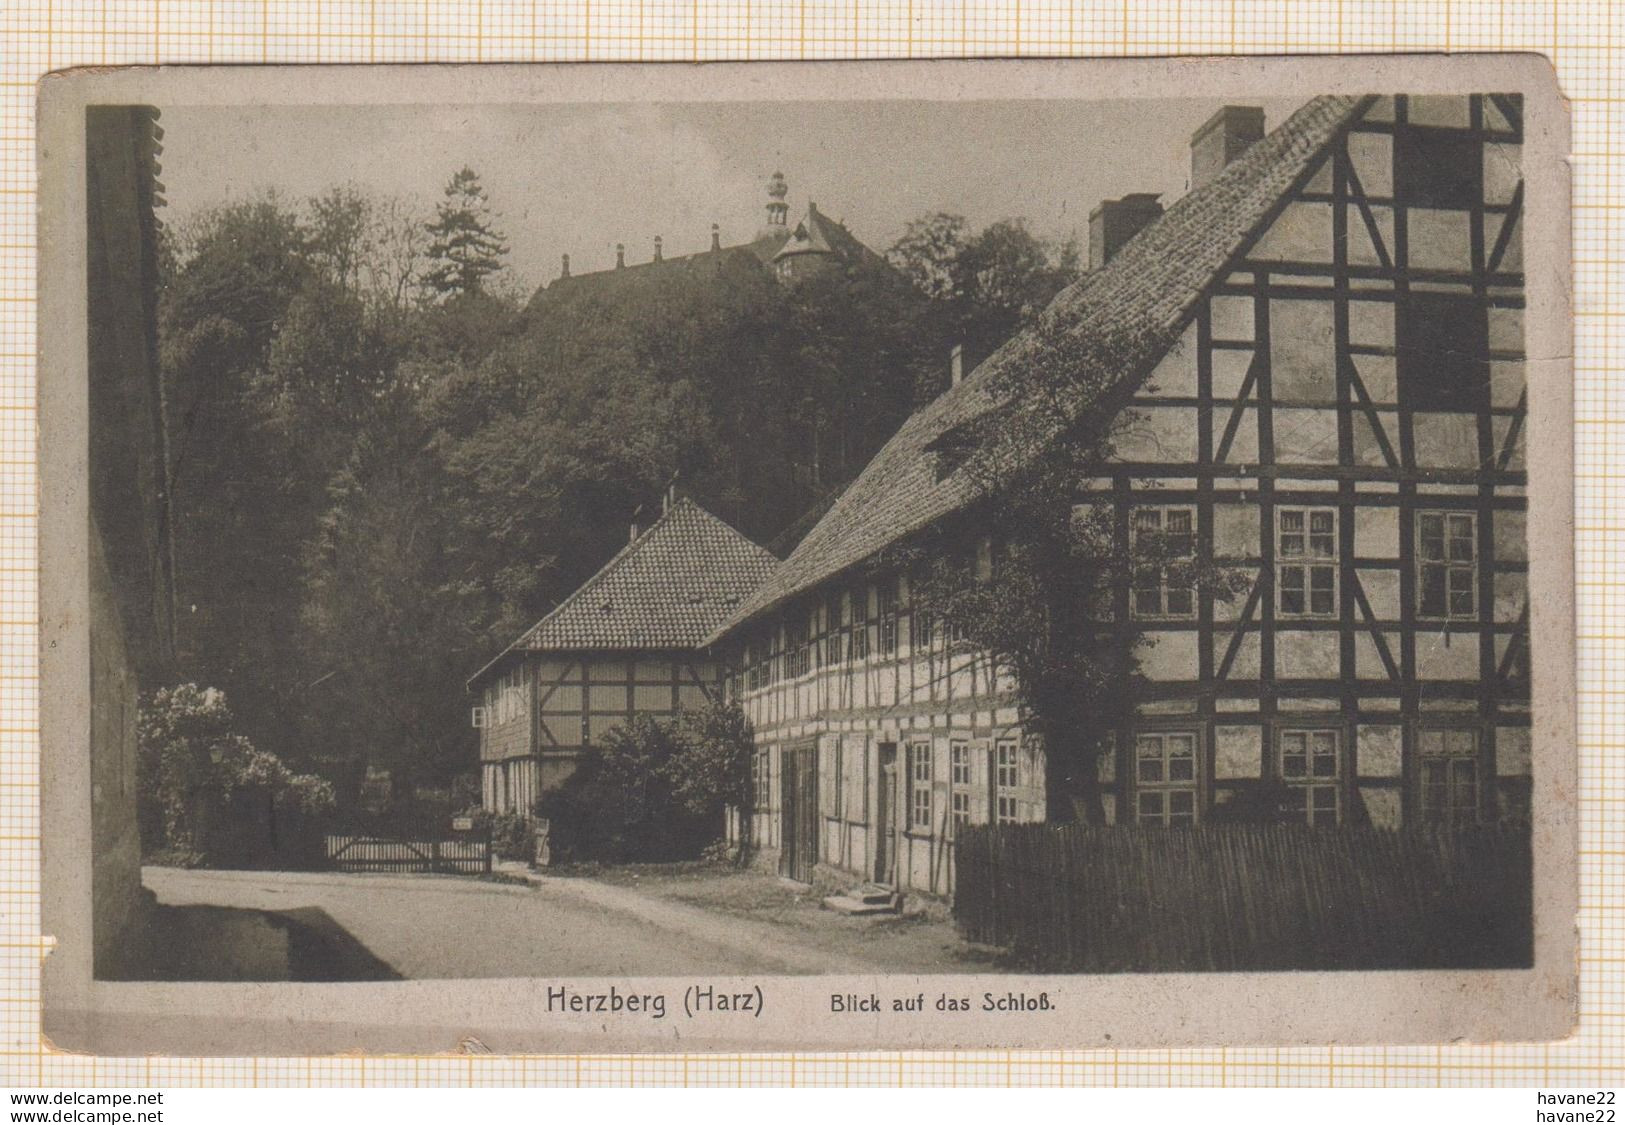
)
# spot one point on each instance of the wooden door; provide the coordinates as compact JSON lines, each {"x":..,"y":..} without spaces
{"x":799,"y":805}
{"x":885,"y":823}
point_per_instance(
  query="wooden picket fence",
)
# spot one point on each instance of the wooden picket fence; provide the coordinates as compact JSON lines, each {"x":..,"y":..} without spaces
{"x":1246,"y":897}
{"x":468,"y":855}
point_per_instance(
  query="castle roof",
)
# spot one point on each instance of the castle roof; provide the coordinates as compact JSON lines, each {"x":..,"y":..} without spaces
{"x":667,"y":589}
{"x":1155,"y":280}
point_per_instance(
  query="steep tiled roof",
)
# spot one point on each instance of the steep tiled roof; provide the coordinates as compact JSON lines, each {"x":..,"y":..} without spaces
{"x":669,"y":588}
{"x":1154,"y":280}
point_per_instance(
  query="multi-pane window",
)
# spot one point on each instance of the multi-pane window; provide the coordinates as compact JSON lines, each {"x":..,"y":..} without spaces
{"x":886,"y":615}
{"x":1309,"y":764}
{"x":1306,"y":562}
{"x":919,"y":785}
{"x":860,"y":623}
{"x":959,"y":774}
{"x":795,"y":650}
{"x":775,"y":648}
{"x":1162,"y":536}
{"x":834,"y":650}
{"x":1007,"y":776}
{"x":1446,"y":558}
{"x":1165,"y":778}
{"x":925,"y":630}
{"x":1449,"y":759}
{"x":761,"y":775}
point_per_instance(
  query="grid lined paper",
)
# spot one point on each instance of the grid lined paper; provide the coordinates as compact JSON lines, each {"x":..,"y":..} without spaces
{"x":1583,"y":39}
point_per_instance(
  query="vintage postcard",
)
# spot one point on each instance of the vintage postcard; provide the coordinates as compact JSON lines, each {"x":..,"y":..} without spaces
{"x":815,"y":556}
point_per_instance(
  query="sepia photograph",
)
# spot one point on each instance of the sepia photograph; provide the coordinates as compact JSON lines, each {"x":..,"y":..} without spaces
{"x":997,"y":537}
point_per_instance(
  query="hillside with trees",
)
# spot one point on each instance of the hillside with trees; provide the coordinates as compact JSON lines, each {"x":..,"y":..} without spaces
{"x":381,"y":470}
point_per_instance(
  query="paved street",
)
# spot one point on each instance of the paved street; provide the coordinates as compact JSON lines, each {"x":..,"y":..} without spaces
{"x":427,"y":927}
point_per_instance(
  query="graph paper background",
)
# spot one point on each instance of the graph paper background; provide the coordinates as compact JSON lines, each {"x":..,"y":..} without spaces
{"x":1582,"y":37}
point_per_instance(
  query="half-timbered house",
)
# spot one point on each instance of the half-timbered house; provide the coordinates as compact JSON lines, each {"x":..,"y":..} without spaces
{"x":1339,"y":417}
{"x":626,"y":642}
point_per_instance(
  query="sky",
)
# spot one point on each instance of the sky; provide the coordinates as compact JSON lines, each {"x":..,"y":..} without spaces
{"x":577,"y":179}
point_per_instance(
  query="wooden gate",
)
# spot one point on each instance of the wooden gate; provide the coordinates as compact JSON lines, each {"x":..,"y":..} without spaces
{"x":470,"y":855}
{"x":799,"y":832}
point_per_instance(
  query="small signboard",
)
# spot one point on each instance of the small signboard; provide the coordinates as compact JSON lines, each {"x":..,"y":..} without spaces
{"x":462,"y":824}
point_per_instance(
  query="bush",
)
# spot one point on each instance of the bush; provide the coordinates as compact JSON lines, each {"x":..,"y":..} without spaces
{"x":655,"y":790}
{"x":207,"y":793}
{"x":511,"y":834}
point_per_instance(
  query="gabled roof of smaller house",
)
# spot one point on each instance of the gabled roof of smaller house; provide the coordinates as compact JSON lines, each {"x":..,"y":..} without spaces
{"x":1155,"y":279}
{"x":667,"y":589}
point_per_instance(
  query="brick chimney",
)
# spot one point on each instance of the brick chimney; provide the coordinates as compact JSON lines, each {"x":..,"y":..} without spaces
{"x":1116,"y":221}
{"x":566,"y":270}
{"x":659,"y":247}
{"x":620,"y":255}
{"x":956,"y":365}
{"x":1227,"y":134}
{"x":716,"y":237}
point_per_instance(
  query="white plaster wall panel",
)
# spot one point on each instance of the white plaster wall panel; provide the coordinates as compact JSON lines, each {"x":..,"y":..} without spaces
{"x":1503,"y":172}
{"x":1238,"y":752}
{"x":1446,"y":441}
{"x":1511,"y":536}
{"x":1157,"y":433}
{"x":1244,"y":445}
{"x":1512,"y":751}
{"x":1448,"y":111}
{"x":1246,"y":664}
{"x":1447,"y":655}
{"x":1227,"y":368}
{"x":1372,"y":155}
{"x":1166,"y":655}
{"x":1378,"y":750}
{"x":1371,"y":324}
{"x":1175,"y":374}
{"x":1302,"y":654}
{"x":1231,"y":318}
{"x":1305,"y":437}
{"x":1363,"y":250}
{"x":1235,"y":531}
{"x":1507,"y":382}
{"x":1502,"y":430}
{"x":1376,"y":532}
{"x":1303,"y":357}
{"x":1511,"y":596}
{"x":1381,"y":588}
{"x":1379,"y":375}
{"x":1301,"y":233}
{"x":1440,"y":239}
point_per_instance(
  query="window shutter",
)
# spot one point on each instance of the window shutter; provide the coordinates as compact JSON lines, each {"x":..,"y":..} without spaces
{"x":829,"y":787}
{"x":1030,"y":776}
{"x":855,"y":772}
{"x":981,"y":776}
{"x":941,"y":788}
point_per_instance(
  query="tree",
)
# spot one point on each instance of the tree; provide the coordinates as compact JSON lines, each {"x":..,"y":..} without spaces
{"x":928,"y":254}
{"x":1037,"y":597}
{"x":464,"y":246}
{"x":987,"y":285}
{"x":711,"y":771}
{"x":655,"y":788}
{"x":195,"y":771}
